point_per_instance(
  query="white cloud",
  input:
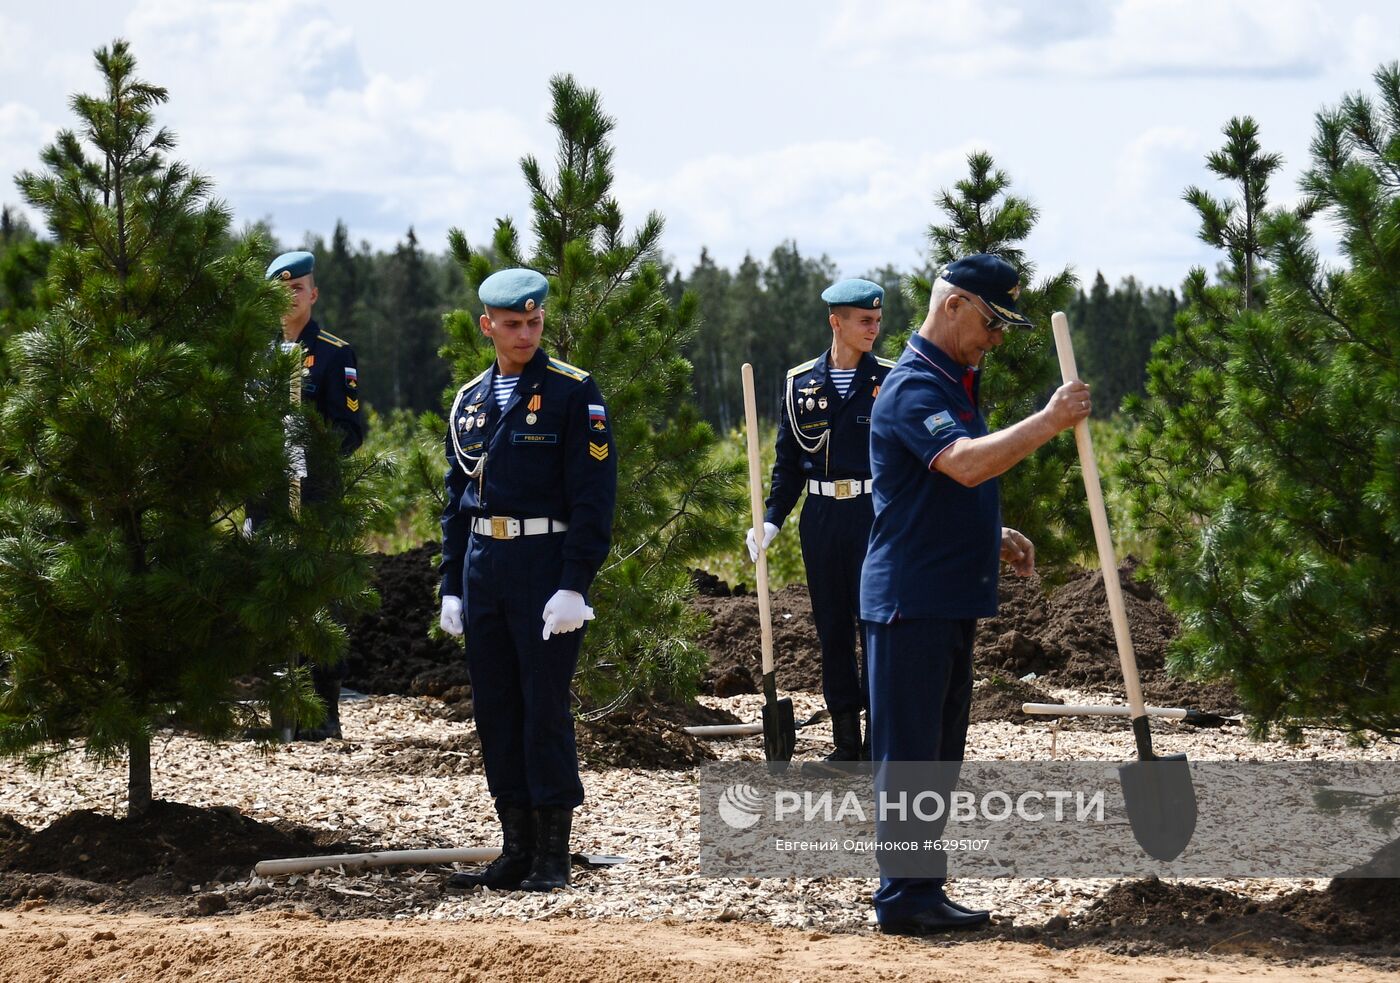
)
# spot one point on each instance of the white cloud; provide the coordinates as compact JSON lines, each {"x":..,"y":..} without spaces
{"x":272,"y":101}
{"x":1200,"y":38}
{"x":15,"y":44}
{"x":22,"y":131}
{"x":861,"y":196}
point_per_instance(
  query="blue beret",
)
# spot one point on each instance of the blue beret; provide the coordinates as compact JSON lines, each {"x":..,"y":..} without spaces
{"x":854,"y":293}
{"x":991,"y":278}
{"x":514,"y":290}
{"x":289,"y":266}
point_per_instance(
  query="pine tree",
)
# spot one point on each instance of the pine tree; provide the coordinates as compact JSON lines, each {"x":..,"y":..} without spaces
{"x":24,"y":263}
{"x":711,"y":350}
{"x":1267,"y":460}
{"x":147,"y":408}
{"x":411,"y":309}
{"x":1042,"y":496}
{"x":608,"y":313}
{"x":1114,"y":331}
{"x":1234,"y":226}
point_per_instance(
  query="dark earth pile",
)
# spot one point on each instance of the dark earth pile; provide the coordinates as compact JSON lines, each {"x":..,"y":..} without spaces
{"x":999,"y":698}
{"x":183,"y":861}
{"x":1352,"y":917}
{"x":173,"y":845}
{"x":390,"y":650}
{"x":732,"y":641}
{"x":649,"y":736}
{"x":1064,"y":637}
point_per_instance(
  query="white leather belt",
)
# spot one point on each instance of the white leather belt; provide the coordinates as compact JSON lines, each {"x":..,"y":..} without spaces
{"x":504,"y":527}
{"x":845,"y":488}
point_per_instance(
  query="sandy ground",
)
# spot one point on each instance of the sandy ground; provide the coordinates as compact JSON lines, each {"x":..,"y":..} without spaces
{"x":404,"y":778}
{"x":284,"y":947}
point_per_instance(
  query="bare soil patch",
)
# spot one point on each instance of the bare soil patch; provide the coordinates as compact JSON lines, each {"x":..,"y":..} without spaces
{"x":284,"y":947}
{"x":1063,"y":636}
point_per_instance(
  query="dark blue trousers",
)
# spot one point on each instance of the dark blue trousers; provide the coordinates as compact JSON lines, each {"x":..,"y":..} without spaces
{"x":920,"y":696}
{"x":520,"y":682}
{"x":834,"y":534}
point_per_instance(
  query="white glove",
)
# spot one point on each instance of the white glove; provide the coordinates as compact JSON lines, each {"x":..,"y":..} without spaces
{"x":451,"y":617}
{"x":769,"y":531}
{"x":565,"y":612}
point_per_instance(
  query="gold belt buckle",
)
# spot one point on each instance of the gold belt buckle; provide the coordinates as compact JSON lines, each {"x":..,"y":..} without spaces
{"x":500,"y":527}
{"x":844,"y":489}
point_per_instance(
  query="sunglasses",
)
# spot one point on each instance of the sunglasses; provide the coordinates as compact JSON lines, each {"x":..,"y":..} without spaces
{"x":994,"y":324}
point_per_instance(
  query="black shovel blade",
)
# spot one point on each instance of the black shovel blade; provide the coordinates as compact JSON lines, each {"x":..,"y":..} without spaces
{"x":1161,"y":804}
{"x":594,"y":860}
{"x":779,"y":730}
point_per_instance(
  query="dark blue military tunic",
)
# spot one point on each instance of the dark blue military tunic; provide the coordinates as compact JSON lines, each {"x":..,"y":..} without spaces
{"x":330,"y":381}
{"x":825,"y":437}
{"x":548,"y":455}
{"x":931,"y":571}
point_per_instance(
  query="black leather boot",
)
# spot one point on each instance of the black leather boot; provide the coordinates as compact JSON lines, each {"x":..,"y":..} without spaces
{"x":517,"y":850}
{"x":329,"y":692}
{"x":845,"y":735}
{"x":551,"y":866}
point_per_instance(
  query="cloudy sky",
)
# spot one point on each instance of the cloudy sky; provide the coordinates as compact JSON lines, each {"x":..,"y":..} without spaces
{"x":832,"y":123}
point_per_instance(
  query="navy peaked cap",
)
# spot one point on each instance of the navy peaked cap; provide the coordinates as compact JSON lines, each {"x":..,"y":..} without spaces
{"x":854,"y":293}
{"x":514,"y":290}
{"x":991,"y":278}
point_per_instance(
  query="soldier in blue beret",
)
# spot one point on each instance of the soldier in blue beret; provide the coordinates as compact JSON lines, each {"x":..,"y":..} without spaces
{"x":330,"y":382}
{"x":824,"y":449}
{"x":935,"y":547}
{"x":531,"y":485}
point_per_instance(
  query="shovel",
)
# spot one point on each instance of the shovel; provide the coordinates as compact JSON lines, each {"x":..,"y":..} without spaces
{"x":746,"y":730}
{"x":779,"y":726}
{"x":410,"y":858}
{"x":1157,"y":791}
{"x":1196,"y":718}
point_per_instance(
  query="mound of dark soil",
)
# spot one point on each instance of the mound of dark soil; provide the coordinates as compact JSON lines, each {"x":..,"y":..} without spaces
{"x":649,"y":736}
{"x":1361,"y":915}
{"x":708,"y":585}
{"x":1000,"y":698}
{"x":390,"y":650}
{"x":732,"y":641}
{"x":172,"y":844}
{"x":1064,"y":636}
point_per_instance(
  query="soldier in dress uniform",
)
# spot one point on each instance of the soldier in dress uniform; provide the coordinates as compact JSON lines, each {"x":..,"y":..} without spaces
{"x":331,"y":383}
{"x":824,"y":449}
{"x":531,"y":485}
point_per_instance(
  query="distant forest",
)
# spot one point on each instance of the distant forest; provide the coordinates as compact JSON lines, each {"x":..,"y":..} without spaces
{"x":389,"y":305}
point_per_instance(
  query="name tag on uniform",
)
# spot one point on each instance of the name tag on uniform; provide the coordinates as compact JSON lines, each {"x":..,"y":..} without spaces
{"x":814,"y":425}
{"x":308,"y":388}
{"x":534,"y":438}
{"x":862,"y":419}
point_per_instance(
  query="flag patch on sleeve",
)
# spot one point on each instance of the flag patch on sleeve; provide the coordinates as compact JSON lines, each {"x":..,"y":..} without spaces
{"x":597,"y":416}
{"x":939,"y":422}
{"x":352,"y":377}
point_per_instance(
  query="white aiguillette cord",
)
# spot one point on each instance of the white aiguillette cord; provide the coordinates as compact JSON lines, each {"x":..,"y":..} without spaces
{"x":813,"y":447}
{"x":477,"y":464}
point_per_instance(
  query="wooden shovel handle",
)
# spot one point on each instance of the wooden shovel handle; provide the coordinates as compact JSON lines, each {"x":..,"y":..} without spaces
{"x":1107,"y":558}
{"x":765,"y":618}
